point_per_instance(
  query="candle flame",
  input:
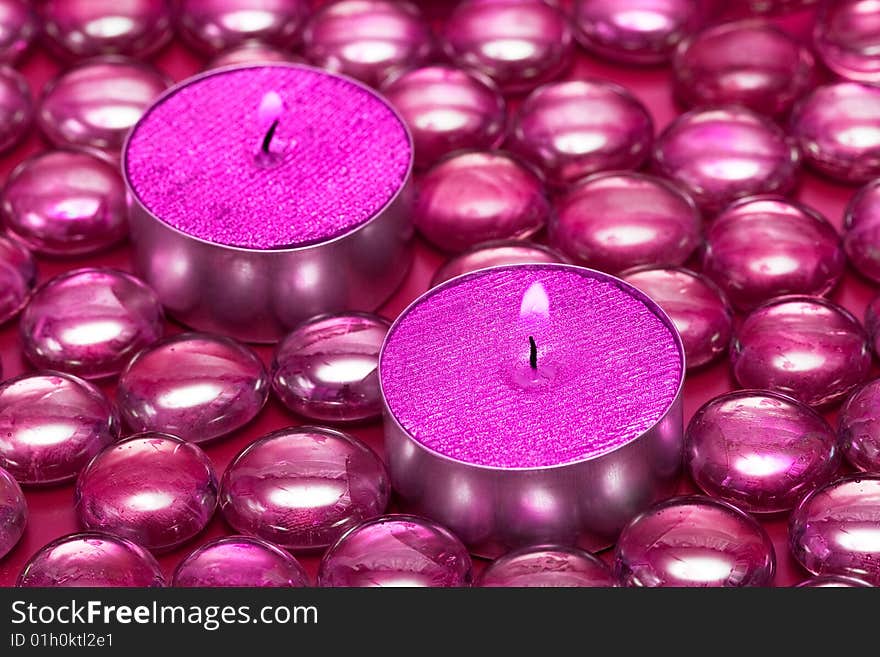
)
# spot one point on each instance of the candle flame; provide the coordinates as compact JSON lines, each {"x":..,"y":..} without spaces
{"x":271,"y":107}
{"x":535,"y":302}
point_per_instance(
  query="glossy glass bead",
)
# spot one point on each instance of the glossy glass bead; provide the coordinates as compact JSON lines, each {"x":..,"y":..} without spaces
{"x":239,"y":561}
{"x":547,"y":566}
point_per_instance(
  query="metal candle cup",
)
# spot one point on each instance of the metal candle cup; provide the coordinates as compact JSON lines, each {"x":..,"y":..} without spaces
{"x":294,"y":204}
{"x":555,"y":420}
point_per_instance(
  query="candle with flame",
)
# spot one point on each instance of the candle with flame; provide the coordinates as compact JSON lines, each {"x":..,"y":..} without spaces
{"x":258,"y":160}
{"x":532,"y":402}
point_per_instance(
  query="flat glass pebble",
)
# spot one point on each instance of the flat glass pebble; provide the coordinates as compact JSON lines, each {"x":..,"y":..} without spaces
{"x":154,"y":489}
{"x":495,"y":253}
{"x":86,"y":28}
{"x":90,"y":322}
{"x":805,"y":347}
{"x":836,"y":127}
{"x":572,"y":129}
{"x":474,"y":197}
{"x":859,"y":428}
{"x":239,"y":561}
{"x":616,"y":221}
{"x":846,"y":36}
{"x":759,"y":450}
{"x":834,"y":530}
{"x":748,"y":63}
{"x":635,"y":31}
{"x":833,"y":582}
{"x":66,"y":203}
{"x":722,"y":154}
{"x":18,"y":273}
{"x":212,"y":26}
{"x":518,"y":43}
{"x":368,"y":39}
{"x":16,"y":108}
{"x":872,"y":323}
{"x":303,"y":487}
{"x":547,"y":566}
{"x":197,"y":386}
{"x":446,"y":110}
{"x":95,"y":104}
{"x":13,"y":513}
{"x":91,"y":559}
{"x":327,"y":368}
{"x":695,"y":305}
{"x":861,"y":231}
{"x":396,"y":551}
{"x":694,"y":541}
{"x":251,"y":53}
{"x":763,"y":247}
{"x":18,"y":27}
{"x":51,"y":425}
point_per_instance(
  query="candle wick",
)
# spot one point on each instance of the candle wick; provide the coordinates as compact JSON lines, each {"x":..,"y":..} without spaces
{"x":533,"y":353}
{"x":270,"y":133}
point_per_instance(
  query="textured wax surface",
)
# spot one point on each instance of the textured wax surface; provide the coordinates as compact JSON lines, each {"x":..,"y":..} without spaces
{"x":342,"y":154}
{"x":455,"y":369}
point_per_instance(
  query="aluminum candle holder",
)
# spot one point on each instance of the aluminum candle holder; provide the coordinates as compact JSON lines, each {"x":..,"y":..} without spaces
{"x":261,"y":195}
{"x":554,"y":424}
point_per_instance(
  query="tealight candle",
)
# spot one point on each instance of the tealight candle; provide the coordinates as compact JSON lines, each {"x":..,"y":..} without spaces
{"x":95,"y":104}
{"x":13,"y":512}
{"x":239,"y":561}
{"x":18,"y":273}
{"x":16,"y":108}
{"x":267,"y":194}
{"x":560,"y":390}
{"x":66,"y":203}
{"x":547,"y":566}
{"x":86,"y":28}
{"x":493,"y":254}
{"x":91,"y":559}
{"x":18,"y":26}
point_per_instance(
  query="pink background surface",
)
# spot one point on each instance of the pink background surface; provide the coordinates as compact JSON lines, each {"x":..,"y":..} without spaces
{"x":51,"y":509}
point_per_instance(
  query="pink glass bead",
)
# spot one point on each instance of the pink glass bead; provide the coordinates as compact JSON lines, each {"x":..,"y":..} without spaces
{"x":474,"y":197}
{"x":251,"y":53}
{"x":51,"y":425}
{"x":16,"y":108}
{"x":547,"y":566}
{"x":846,"y":36}
{"x":447,"y":110}
{"x":86,"y":28}
{"x":66,"y":203}
{"x":154,"y":489}
{"x":837,"y":127}
{"x":764,"y":247}
{"x":575,"y":128}
{"x":368,"y":39}
{"x":694,"y":304}
{"x":694,"y":541}
{"x":95,"y":104}
{"x":92,"y":559}
{"x":719,"y":155}
{"x":197,"y":386}
{"x":18,"y":26}
{"x":615,"y":221}
{"x":833,"y":582}
{"x":18,"y":273}
{"x":13,"y":513}
{"x":834,"y":530}
{"x":774,"y":7}
{"x":859,"y":428}
{"x":396,"y":551}
{"x":872,"y":323}
{"x":212,"y":26}
{"x":748,"y":63}
{"x":90,"y":322}
{"x":518,"y":43}
{"x":494,"y":254}
{"x":303,"y":487}
{"x":805,"y":347}
{"x":326,"y":368}
{"x":635,"y":31}
{"x":239,"y":561}
{"x":759,"y":450}
{"x":861,"y":231}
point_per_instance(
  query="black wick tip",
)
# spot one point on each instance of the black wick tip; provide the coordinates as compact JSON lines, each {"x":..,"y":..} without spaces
{"x":533,"y":353}
{"x":270,"y":133}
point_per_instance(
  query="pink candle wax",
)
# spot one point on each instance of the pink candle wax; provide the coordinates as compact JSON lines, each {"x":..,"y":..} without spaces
{"x":268,"y":193}
{"x":537,"y":372}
